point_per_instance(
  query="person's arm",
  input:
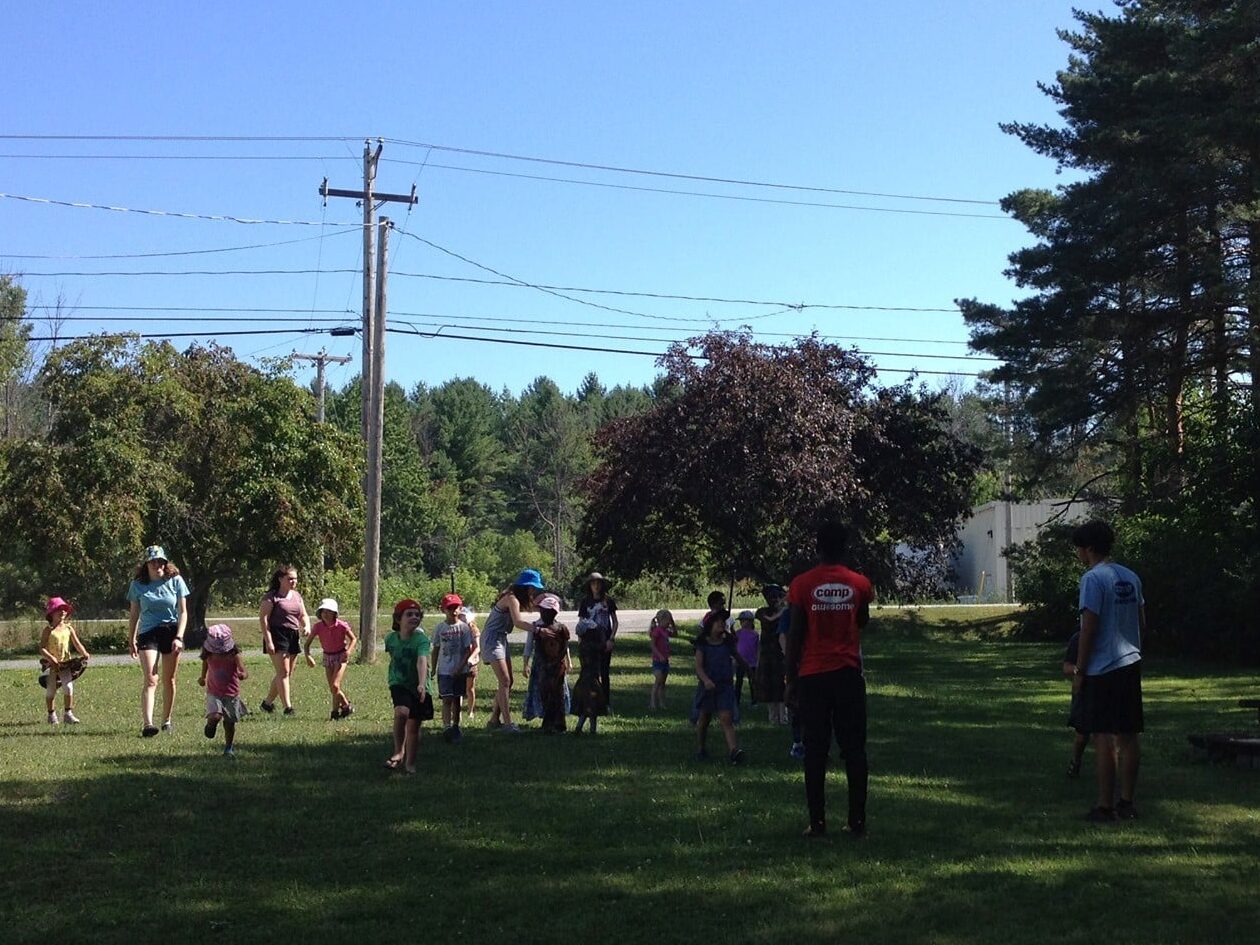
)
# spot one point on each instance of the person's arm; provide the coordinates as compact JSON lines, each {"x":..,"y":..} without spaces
{"x":514,"y":612}
{"x":306,"y":621}
{"x":422,"y":671}
{"x":1069,"y":669}
{"x":264,"y":614}
{"x":241,"y":671}
{"x":436,"y":653}
{"x":1084,"y":647}
{"x":133,"y":620}
{"x":701,"y":674}
{"x":792,"y":659}
{"x":205,"y":671}
{"x":46,"y":653}
{"x":306,"y":649}
{"x":351,"y":640}
{"x":181,"y":622}
{"x":78,"y":645}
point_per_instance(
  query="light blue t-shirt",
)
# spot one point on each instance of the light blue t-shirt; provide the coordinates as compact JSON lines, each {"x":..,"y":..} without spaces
{"x":1114,"y":593}
{"x":158,"y":600}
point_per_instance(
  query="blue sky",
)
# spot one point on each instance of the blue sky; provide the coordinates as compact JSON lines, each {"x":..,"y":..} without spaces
{"x":901,"y":97}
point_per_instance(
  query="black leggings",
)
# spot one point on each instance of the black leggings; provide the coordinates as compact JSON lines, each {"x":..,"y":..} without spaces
{"x":740,"y":674}
{"x":834,"y":703}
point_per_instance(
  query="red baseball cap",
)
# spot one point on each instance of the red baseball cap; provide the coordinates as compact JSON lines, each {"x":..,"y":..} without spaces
{"x":452,"y":600}
{"x":407,"y":604}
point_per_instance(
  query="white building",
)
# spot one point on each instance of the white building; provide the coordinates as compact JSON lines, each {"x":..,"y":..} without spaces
{"x":982,"y":572}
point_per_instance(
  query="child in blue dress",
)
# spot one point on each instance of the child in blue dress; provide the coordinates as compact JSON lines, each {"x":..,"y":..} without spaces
{"x":716,"y":657}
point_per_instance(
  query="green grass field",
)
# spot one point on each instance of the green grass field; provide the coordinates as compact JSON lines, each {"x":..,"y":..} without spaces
{"x":975,"y":833}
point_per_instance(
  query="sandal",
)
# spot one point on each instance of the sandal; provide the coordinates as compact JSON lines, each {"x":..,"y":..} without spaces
{"x":392,"y":763}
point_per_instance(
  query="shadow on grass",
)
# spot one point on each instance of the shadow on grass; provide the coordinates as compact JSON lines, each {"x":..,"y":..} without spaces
{"x":975,"y":834}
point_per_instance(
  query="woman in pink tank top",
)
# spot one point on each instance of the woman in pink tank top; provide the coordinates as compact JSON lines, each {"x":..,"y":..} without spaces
{"x":284,"y":622}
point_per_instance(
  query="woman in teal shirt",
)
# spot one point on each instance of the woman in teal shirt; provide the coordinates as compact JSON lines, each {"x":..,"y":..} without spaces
{"x":159,"y":616}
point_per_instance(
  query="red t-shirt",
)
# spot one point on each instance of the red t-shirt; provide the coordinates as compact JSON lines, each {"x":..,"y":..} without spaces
{"x":830,"y":595}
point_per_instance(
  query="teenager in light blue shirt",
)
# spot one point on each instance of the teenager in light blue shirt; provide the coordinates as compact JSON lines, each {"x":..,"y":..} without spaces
{"x":1108,"y":674}
{"x":156,"y":624}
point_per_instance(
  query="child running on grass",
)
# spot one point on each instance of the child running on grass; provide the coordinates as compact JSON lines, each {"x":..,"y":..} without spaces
{"x":453,"y":644}
{"x":60,"y":667}
{"x":716,"y":657}
{"x":1076,"y":717}
{"x":660,"y":631}
{"x":408,"y":648}
{"x":337,"y":640}
{"x":222,"y":669}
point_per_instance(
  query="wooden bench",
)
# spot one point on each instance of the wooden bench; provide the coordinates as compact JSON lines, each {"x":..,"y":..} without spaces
{"x":1241,"y":749}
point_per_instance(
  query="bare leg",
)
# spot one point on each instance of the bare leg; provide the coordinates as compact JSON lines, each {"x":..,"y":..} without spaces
{"x":273,"y":691}
{"x":503,"y":708}
{"x":702,"y":731}
{"x":401,"y":715}
{"x":728,"y":730}
{"x":148,"y":685}
{"x":285,"y":695}
{"x":1105,"y":769}
{"x":170,"y":665}
{"x":1129,"y":750}
{"x":411,"y":743}
{"x":470,"y":693}
{"x":229,"y":733}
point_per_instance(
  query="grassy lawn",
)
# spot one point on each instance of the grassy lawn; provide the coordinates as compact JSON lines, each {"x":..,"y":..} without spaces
{"x":975,"y":834}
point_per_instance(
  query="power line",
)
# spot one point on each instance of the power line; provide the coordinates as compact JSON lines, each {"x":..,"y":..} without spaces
{"x":181,"y":334}
{"x":571,"y":180}
{"x":607,"y":350}
{"x":184,"y":252}
{"x":610,"y":168}
{"x":438,"y":316}
{"x":217,"y":218}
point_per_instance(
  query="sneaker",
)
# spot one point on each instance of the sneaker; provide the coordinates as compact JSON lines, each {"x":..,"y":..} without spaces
{"x":797,"y":751}
{"x":456,"y":735}
{"x":52,"y":719}
{"x":1101,"y":815}
{"x":168,"y":727}
{"x":229,"y":752}
{"x":347,"y":710}
{"x":267,"y":706}
{"x":1124,"y":810}
{"x":448,"y":734}
{"x":815,"y":832}
{"x":212,"y":727}
{"x":71,"y":718}
{"x":856,"y":830}
{"x":149,"y":731}
{"x":511,"y":729}
{"x":493,"y":724}
{"x":289,"y":710}
{"x":737,"y":756}
{"x":334,"y":715}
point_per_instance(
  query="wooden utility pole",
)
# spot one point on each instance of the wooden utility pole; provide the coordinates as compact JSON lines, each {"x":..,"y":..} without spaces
{"x":372,"y":380}
{"x":320,"y":360}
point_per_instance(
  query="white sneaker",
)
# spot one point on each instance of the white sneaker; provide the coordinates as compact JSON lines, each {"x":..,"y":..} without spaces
{"x":52,"y":719}
{"x":71,"y":718}
{"x":167,"y":726}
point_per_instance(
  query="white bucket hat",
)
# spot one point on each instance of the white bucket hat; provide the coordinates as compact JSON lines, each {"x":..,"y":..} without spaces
{"x":327,"y":604}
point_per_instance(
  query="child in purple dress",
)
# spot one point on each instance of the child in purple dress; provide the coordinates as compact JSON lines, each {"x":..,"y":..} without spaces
{"x":222,"y":669}
{"x":716,"y":657}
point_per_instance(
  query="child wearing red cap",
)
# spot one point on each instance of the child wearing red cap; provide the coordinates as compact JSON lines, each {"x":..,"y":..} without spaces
{"x":408,"y":648}
{"x":61,"y":669}
{"x":453,"y":645}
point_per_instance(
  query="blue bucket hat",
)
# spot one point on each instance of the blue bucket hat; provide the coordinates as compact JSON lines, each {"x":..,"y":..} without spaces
{"x":529,"y":578}
{"x":155,"y":553}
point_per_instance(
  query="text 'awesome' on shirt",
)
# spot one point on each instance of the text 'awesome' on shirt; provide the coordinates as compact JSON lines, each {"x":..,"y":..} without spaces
{"x":831,"y":596}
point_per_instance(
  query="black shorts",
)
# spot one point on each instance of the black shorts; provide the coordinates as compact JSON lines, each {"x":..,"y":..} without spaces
{"x":405,"y":698}
{"x":1111,"y":704}
{"x":160,"y":638}
{"x":286,"y":642}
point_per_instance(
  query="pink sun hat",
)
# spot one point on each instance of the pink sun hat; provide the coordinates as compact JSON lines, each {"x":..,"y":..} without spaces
{"x":58,"y":603}
{"x":219,"y":639}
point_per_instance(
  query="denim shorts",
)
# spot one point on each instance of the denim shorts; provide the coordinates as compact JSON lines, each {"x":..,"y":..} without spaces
{"x":660,"y":666}
{"x":451,"y":686}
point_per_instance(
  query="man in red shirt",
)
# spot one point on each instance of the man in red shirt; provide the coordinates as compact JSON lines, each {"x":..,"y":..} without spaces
{"x":830,"y":605}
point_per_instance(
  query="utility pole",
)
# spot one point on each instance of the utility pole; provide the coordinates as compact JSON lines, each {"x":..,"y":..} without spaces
{"x":320,"y":360}
{"x":371,"y":381}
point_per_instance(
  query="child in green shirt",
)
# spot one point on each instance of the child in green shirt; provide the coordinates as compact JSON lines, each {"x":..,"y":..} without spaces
{"x":408,"y":648}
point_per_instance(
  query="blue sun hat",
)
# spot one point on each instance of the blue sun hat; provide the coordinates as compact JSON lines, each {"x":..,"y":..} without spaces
{"x":529,"y":578}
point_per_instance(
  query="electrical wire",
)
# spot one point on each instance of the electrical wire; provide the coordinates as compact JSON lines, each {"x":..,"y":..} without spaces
{"x":216,"y":218}
{"x":184,"y":252}
{"x":610,"y":168}
{"x":181,"y":334}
